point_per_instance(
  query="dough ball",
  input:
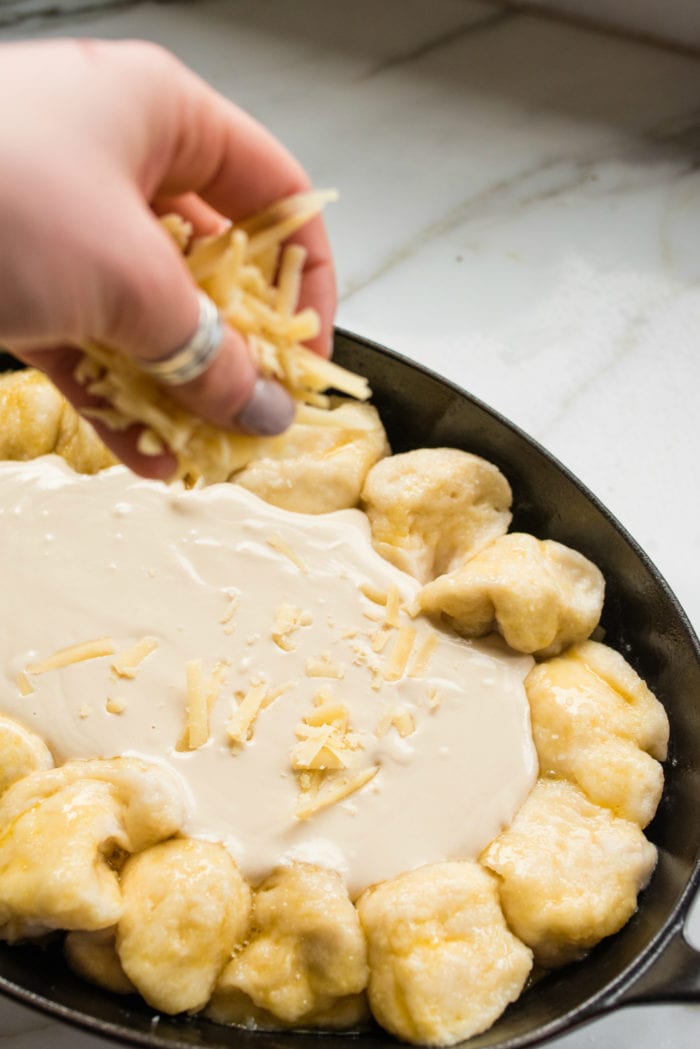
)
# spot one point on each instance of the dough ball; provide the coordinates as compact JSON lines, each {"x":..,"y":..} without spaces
{"x":570,"y":872}
{"x":21,"y":752}
{"x":541,"y":596}
{"x":595,"y":723}
{"x":443,"y":964}
{"x":185,"y":908}
{"x":305,"y":956}
{"x":60,"y":829}
{"x":36,"y":419}
{"x":93,"y":956}
{"x":316,"y":468}
{"x":433,"y":508}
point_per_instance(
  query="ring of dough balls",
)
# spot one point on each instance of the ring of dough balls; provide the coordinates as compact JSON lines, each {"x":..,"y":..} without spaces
{"x":168,"y":921}
{"x":569,"y":872}
{"x":305,"y":960}
{"x":57,"y":829}
{"x":431,"y":509}
{"x":443,"y":963}
{"x":596,"y":724}
{"x":540,"y":595}
{"x":185,"y":908}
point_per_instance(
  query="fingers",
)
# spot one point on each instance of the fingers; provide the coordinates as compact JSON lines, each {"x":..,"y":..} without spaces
{"x":205,"y":221}
{"x":152,"y":310}
{"x":237,"y":167}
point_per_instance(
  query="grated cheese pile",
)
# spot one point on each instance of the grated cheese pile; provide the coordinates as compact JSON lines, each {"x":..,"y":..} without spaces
{"x":255,"y":280}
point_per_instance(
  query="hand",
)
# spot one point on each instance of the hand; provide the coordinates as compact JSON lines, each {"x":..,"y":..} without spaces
{"x":98,"y":139}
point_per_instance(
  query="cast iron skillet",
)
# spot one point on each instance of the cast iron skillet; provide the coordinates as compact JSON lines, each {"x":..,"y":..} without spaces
{"x":649,"y":960}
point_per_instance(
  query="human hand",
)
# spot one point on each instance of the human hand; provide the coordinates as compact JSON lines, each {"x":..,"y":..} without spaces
{"x":98,"y":139}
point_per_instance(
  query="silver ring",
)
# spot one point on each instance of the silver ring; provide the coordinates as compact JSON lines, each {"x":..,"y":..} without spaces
{"x":196,"y":355}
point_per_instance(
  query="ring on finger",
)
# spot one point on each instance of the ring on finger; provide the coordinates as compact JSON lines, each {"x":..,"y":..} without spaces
{"x":194,"y":357}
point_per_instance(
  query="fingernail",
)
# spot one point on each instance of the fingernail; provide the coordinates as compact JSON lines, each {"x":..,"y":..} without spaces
{"x":269,"y":411}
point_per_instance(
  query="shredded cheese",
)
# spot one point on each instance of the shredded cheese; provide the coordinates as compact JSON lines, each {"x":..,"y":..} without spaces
{"x":226,"y":619}
{"x":379,"y":640}
{"x":242,"y":721}
{"x":393,"y":607}
{"x":324,"y":666}
{"x":114,"y":705}
{"x":434,"y":698}
{"x":197,"y":728}
{"x":277,"y":543}
{"x":288,"y":619}
{"x":66,"y":657}
{"x":236,"y":268}
{"x":24,"y":684}
{"x":333,"y":790}
{"x":401,"y":651}
{"x":372,"y":593}
{"x":421,"y":659}
{"x":127,"y":664}
{"x":398,"y":718}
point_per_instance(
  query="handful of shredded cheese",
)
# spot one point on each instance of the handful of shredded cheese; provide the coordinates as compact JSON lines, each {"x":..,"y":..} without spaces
{"x":255,"y":281}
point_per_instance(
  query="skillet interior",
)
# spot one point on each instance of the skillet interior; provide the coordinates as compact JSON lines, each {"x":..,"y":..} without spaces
{"x":641,"y":619}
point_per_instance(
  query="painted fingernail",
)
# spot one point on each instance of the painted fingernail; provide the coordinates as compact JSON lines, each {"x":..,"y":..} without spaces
{"x":269,"y":410}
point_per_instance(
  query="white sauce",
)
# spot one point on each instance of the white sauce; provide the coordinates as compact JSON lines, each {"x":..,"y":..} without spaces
{"x":113,"y":555}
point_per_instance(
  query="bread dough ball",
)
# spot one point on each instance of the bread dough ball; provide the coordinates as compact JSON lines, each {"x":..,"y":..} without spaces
{"x":317,"y":468}
{"x":433,"y":508}
{"x":185,"y":908}
{"x":36,"y":419}
{"x":21,"y":752}
{"x":305,"y":956}
{"x":93,"y":955}
{"x":541,"y":596}
{"x":443,"y":964}
{"x":570,"y":872}
{"x":58,"y":830}
{"x":595,"y":723}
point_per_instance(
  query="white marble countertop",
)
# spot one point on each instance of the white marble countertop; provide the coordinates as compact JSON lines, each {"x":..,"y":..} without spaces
{"x":521,"y":212}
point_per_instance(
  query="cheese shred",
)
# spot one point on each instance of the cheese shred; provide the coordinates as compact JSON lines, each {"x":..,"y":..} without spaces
{"x":66,"y":657}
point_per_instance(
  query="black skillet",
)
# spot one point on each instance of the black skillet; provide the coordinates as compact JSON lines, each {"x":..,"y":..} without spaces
{"x":649,"y":960}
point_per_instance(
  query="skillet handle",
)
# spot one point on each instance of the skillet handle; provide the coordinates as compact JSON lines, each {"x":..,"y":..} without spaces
{"x":672,"y":976}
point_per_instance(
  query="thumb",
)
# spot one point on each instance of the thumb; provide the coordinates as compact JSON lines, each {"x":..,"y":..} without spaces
{"x":150,"y":309}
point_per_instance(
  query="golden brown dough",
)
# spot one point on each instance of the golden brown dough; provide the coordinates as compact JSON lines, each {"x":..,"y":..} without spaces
{"x":58,"y":828}
{"x":93,"y":955}
{"x":317,"y":467}
{"x":185,"y":908}
{"x":540,"y":595}
{"x":443,"y":964}
{"x":433,"y":508}
{"x":305,"y":957}
{"x":21,"y":752}
{"x":595,"y":723}
{"x":36,"y":419}
{"x":570,"y":872}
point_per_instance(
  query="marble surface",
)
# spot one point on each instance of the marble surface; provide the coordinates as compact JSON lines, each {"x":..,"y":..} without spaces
{"x":520,"y":211}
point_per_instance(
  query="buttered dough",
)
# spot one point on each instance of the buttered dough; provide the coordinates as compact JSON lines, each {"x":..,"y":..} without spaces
{"x":569,"y":872}
{"x":433,"y":508}
{"x":539,"y":594}
{"x":443,"y":963}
